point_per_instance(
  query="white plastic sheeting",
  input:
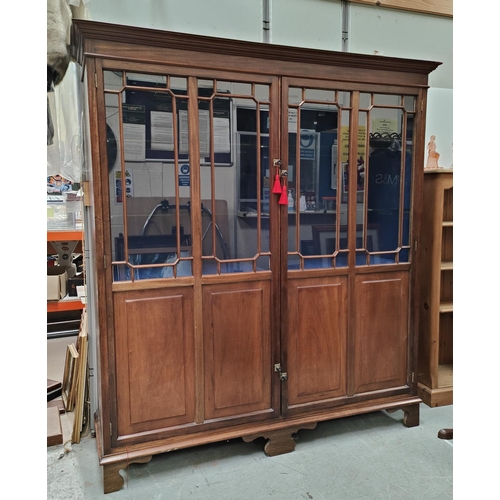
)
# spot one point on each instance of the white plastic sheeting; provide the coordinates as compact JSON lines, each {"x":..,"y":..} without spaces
{"x":65,"y":154}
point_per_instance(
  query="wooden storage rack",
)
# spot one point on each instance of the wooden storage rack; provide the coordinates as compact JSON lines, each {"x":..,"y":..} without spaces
{"x":435,"y":353}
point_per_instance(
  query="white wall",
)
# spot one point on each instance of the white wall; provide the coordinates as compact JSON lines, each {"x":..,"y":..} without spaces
{"x":315,"y":24}
{"x":306,"y":23}
{"x":222,"y":18}
{"x":440,"y":123}
{"x":390,"y":32}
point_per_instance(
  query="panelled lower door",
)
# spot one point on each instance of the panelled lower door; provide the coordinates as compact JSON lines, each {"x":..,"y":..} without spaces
{"x":345,"y":244}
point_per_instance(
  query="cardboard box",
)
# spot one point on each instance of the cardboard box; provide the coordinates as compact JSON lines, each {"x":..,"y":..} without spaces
{"x":56,"y":282}
{"x":73,"y":283}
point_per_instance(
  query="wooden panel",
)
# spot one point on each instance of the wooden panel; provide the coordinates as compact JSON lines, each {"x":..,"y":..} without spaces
{"x":445,"y":339}
{"x":54,"y":429}
{"x":448,"y":199}
{"x":316,"y":339}
{"x":447,"y":244}
{"x":435,"y":343}
{"x":237,"y":337}
{"x":381,"y":331}
{"x":446,"y":287}
{"x":435,"y":397}
{"x":155,"y":46}
{"x":154,"y":359}
{"x":438,"y":7}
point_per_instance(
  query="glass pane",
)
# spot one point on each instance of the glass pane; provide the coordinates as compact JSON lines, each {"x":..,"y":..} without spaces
{"x":363,"y":234}
{"x":262,"y":92}
{"x":249,"y":156}
{"x":294,"y":95}
{"x":386,"y":100}
{"x":113,"y":154}
{"x":409,"y":102}
{"x":344,"y":99}
{"x":318,"y":134}
{"x":389,"y":180}
{"x":205,"y":88}
{"x":177,"y":85}
{"x":404,"y":255}
{"x":237,"y":195}
{"x":113,"y":80}
{"x":150,"y":199}
{"x":235,"y":88}
{"x":365,"y":100}
{"x":138,"y":79}
{"x":320,"y":95}
{"x":293,"y":261}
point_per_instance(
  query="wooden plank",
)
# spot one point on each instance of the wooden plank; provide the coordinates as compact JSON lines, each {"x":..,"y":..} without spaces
{"x":445,"y":374}
{"x":435,"y":397}
{"x":437,"y":7}
{"x":57,"y":403}
{"x":446,"y":307}
{"x":81,"y":376}
{"x":53,"y":385}
{"x":69,"y":377}
{"x":54,"y":429}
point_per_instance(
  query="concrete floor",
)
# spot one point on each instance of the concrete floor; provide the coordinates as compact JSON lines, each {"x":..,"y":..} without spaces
{"x":364,"y":457}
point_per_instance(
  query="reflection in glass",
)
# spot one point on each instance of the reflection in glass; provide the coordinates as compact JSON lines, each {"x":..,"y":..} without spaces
{"x":389,"y":179}
{"x":150,"y":201}
{"x":113,"y":80}
{"x":320,"y":95}
{"x":113,"y":159}
{"x":318,"y":135}
{"x":205,"y":87}
{"x":236,"y":88}
{"x":236,"y":233}
{"x":365,"y":100}
{"x":387,"y":100}
{"x":262,"y":92}
{"x":409,"y":102}
{"x":294,"y":95}
{"x":137,"y":79}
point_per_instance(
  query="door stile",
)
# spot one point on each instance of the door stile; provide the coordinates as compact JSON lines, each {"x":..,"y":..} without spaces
{"x":97,"y":123}
{"x":415,"y":231}
{"x":351,"y":235}
{"x":275,"y":112}
{"x":282,"y":223}
{"x":194,"y":156}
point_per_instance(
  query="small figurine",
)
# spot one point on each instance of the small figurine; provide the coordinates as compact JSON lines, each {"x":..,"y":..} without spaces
{"x":432,"y":154}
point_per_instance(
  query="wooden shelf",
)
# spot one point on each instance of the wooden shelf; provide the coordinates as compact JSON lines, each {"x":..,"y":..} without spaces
{"x":446,"y":266}
{"x":446,"y":307}
{"x":445,"y":376}
{"x":448,"y":223}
